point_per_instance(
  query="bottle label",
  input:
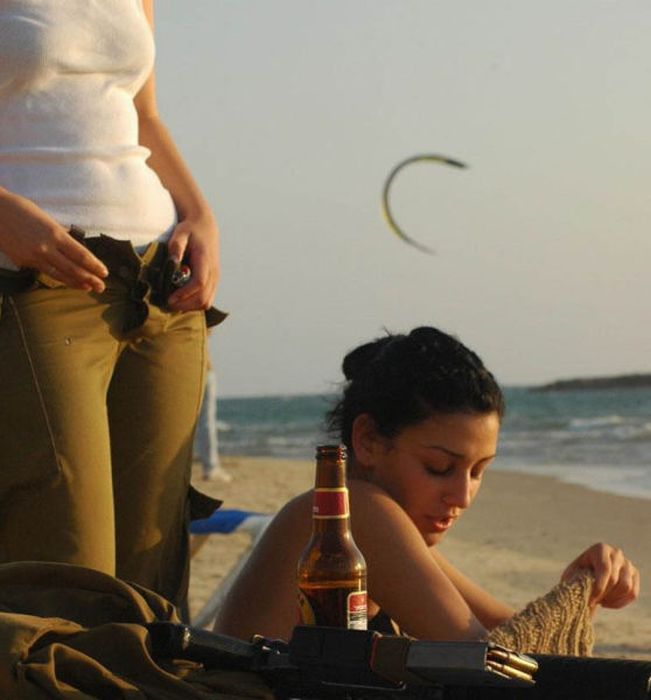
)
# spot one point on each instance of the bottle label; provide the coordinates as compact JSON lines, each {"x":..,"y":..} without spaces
{"x":357,"y":610}
{"x":330,"y":503}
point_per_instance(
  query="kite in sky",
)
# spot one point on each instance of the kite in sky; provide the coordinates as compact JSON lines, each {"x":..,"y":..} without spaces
{"x":386,"y":211}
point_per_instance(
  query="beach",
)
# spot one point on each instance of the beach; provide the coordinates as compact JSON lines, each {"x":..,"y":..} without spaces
{"x":515,"y":541}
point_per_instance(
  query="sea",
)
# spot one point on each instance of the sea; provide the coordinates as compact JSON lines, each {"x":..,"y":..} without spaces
{"x":597,"y":438}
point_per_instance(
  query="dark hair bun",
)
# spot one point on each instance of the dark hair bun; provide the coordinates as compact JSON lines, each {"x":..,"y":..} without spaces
{"x":445,"y":350}
{"x":400,"y":380}
{"x":358,"y":360}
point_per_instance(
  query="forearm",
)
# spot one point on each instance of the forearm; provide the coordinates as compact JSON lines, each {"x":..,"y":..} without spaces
{"x":487,"y":609}
{"x":172,"y":170}
{"x":196,"y":237}
{"x":404,"y":580}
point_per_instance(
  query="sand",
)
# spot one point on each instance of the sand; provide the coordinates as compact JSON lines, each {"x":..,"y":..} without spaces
{"x":515,"y":541}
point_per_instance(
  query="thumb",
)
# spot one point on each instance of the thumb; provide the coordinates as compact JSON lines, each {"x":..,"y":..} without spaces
{"x":178,"y":241}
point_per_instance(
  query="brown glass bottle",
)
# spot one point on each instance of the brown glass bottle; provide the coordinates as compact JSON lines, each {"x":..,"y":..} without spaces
{"x":332,"y":570}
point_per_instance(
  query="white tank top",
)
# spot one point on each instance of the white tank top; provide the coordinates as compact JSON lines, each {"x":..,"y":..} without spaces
{"x":69,"y":70}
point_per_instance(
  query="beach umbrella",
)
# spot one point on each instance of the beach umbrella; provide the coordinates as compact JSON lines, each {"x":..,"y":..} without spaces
{"x":386,"y":209}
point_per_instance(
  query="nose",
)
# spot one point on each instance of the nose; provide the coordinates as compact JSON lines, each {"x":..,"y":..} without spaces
{"x":459,"y":492}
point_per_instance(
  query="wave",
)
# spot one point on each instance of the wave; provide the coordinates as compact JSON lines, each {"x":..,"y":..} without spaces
{"x":293,"y":441}
{"x":613,"y":428}
{"x":596,"y":421}
{"x":634,"y":432}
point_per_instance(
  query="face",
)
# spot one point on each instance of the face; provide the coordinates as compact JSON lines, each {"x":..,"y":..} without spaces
{"x":434,"y":469}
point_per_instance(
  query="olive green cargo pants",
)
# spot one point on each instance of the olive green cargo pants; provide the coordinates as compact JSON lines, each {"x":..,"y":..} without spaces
{"x":96,"y":427}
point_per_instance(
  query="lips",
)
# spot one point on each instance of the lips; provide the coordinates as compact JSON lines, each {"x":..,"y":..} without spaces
{"x":441,"y":524}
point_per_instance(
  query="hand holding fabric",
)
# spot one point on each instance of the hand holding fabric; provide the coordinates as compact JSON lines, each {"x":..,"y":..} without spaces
{"x":196,"y":241}
{"x":616,"y":579}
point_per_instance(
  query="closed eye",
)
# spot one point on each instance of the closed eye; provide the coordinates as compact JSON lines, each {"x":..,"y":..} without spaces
{"x":438,"y":471}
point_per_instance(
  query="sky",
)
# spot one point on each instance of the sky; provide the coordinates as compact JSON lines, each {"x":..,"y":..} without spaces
{"x":291,"y":114}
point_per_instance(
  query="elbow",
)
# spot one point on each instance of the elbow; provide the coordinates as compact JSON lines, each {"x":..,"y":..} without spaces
{"x":466,"y":629}
{"x":497,"y":620}
{"x":472,"y":631}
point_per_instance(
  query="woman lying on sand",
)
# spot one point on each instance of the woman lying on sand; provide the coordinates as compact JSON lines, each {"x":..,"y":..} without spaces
{"x":420,"y":416}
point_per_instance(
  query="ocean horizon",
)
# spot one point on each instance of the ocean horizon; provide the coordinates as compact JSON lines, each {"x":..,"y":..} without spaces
{"x":598,"y":438}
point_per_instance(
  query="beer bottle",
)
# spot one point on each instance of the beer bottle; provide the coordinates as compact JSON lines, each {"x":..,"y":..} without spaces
{"x":331,"y":570}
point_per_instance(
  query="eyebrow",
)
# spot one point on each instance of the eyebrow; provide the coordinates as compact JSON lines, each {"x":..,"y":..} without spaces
{"x":444,"y":449}
{"x":458,"y":455}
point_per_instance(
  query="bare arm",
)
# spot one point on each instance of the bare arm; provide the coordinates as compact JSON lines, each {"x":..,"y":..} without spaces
{"x":196,"y":235}
{"x":404,"y":579}
{"x":487,"y":609}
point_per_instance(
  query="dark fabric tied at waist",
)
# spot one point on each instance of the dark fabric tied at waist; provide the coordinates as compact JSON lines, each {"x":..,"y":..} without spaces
{"x":149,"y":277}
{"x":144,"y":280}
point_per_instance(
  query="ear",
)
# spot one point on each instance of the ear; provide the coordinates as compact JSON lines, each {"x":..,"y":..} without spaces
{"x":366,"y":441}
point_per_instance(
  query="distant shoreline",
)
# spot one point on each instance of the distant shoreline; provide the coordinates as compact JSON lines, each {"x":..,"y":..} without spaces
{"x":623,"y":381}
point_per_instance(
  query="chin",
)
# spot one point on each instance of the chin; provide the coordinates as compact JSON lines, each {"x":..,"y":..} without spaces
{"x":432,"y":538}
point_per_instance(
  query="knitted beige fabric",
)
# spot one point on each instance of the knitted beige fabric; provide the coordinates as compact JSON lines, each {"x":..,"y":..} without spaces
{"x":557,"y":623}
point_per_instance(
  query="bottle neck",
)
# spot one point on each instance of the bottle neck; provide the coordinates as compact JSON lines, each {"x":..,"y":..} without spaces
{"x":330,"y":472}
{"x":340,"y":528}
{"x":330,"y":509}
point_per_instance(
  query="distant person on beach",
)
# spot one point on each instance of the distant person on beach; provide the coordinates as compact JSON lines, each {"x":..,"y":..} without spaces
{"x":101,"y":337}
{"x":206,"y":443}
{"x":420,"y":416}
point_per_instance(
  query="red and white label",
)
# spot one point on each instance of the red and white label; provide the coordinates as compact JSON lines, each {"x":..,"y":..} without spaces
{"x":357,"y":609}
{"x":330,"y":503}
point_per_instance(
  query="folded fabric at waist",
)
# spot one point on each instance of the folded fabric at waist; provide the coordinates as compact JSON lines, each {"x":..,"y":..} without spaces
{"x":152,"y":271}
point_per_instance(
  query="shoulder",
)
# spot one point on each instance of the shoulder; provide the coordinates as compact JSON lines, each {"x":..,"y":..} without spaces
{"x":370,"y":501}
{"x":294,"y":512}
{"x":365,"y":490}
{"x":289,"y":529}
{"x":262,"y":599}
{"x":363,"y":496}
{"x":380,"y":525}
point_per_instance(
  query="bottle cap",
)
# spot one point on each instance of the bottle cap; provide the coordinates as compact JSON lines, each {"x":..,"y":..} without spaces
{"x":336,"y":451}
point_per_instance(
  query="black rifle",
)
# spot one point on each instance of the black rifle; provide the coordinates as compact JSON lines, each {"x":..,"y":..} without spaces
{"x":322,"y":663}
